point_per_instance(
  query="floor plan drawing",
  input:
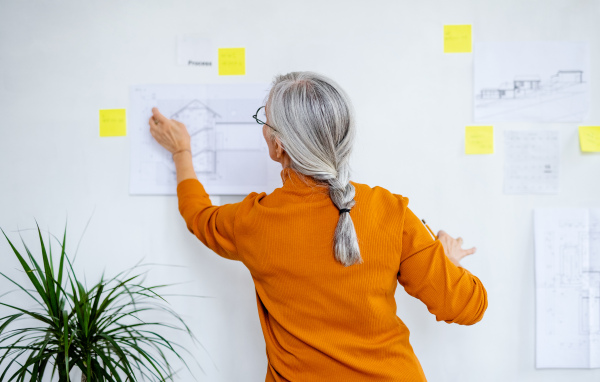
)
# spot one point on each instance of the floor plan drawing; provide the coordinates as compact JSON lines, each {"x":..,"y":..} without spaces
{"x":229,"y":153}
{"x":531,"y":82}
{"x":567,"y":288}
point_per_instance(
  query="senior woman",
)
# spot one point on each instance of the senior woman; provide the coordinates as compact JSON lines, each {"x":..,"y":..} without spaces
{"x":326,"y":253}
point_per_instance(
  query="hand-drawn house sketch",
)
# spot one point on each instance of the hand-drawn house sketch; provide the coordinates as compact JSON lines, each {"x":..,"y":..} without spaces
{"x":229,"y":154}
{"x":531,"y":82}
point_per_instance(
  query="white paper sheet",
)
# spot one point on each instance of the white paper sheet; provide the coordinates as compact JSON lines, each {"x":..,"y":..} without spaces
{"x":567,"y":278}
{"x":195,"y":51}
{"x":531,"y":162}
{"x":230,"y":155}
{"x":531,"y":81}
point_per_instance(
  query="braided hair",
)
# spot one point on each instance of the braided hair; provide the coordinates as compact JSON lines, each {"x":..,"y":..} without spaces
{"x":315,"y":125}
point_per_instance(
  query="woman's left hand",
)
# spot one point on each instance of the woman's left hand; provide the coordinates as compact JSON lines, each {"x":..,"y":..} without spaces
{"x":170,"y":134}
{"x":453,"y":248}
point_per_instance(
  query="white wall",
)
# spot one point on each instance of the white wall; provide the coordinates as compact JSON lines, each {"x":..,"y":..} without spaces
{"x":62,"y":61}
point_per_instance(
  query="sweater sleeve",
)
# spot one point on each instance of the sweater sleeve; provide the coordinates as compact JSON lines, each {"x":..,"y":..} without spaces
{"x":213,"y":225}
{"x":451,"y":293}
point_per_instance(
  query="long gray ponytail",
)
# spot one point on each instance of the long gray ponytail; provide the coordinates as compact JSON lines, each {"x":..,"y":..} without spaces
{"x":315,"y":124}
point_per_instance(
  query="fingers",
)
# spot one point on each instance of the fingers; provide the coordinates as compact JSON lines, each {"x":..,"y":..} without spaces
{"x":444,"y":234}
{"x":152,"y":123}
{"x":470,"y":251}
{"x":158,"y":116}
{"x":153,"y":127}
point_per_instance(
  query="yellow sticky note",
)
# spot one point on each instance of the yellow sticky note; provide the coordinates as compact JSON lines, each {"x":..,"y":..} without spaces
{"x":232,"y":61}
{"x":589,"y":138}
{"x":479,"y":140}
{"x":457,"y":38}
{"x":113,"y":123}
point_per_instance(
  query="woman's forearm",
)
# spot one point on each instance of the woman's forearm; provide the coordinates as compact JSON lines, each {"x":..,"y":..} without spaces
{"x":184,"y":166}
{"x":173,"y":136}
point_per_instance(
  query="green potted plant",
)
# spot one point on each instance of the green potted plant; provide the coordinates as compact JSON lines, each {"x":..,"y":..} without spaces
{"x":100,"y":329}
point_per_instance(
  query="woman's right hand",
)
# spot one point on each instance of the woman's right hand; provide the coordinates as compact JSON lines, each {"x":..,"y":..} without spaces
{"x":453,"y":248}
{"x":169,"y":133}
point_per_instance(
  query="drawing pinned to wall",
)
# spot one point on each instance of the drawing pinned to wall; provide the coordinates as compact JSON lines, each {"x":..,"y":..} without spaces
{"x":229,"y":153}
{"x":531,"y":81}
{"x":194,"y":51}
{"x":589,"y":138}
{"x":567,"y":278}
{"x":113,"y":123}
{"x":200,"y":121}
{"x":531,"y":162}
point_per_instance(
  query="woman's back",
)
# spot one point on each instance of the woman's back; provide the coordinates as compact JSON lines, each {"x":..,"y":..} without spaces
{"x":323,"y":321}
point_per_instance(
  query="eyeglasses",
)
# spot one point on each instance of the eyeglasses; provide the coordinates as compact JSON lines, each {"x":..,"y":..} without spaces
{"x":263,"y":115}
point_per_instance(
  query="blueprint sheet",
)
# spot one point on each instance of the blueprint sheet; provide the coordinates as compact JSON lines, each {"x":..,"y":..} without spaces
{"x":229,"y":153}
{"x":567,"y":279}
{"x":542,"y":81}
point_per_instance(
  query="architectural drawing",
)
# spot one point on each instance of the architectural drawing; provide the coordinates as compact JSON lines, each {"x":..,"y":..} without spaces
{"x":531,"y":162}
{"x":229,"y":153}
{"x":531,"y":82}
{"x":200,"y":121}
{"x":562,"y":84}
{"x":567,"y":288}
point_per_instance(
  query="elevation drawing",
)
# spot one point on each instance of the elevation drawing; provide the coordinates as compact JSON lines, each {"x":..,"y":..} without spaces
{"x":531,"y":82}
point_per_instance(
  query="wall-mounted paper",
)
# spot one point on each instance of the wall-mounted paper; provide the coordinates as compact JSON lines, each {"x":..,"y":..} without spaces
{"x":531,"y":81}
{"x":589,"y":138}
{"x":567,"y":281}
{"x":232,"y":61}
{"x":479,"y":140}
{"x":531,"y":162}
{"x":113,"y":123}
{"x":229,"y":152}
{"x":457,"y":38}
{"x":194,"y":51}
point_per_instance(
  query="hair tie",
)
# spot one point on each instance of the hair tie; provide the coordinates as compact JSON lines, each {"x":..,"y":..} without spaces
{"x":344,"y":210}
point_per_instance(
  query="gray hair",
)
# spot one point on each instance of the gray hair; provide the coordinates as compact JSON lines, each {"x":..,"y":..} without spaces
{"x":314,"y":122}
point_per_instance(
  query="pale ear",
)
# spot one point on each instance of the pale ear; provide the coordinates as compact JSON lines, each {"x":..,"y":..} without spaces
{"x":279,"y":148}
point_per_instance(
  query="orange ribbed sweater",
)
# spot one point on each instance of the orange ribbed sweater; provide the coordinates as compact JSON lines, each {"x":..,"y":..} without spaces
{"x":323,"y":321}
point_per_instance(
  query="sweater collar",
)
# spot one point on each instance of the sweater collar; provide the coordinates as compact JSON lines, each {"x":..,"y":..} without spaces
{"x":293,"y":179}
